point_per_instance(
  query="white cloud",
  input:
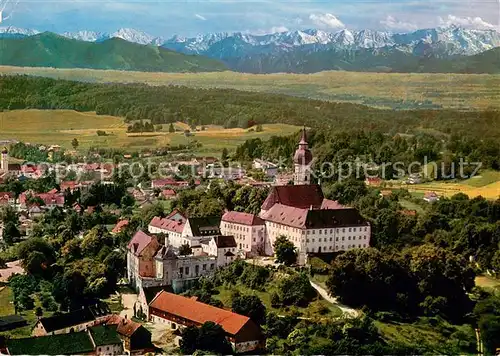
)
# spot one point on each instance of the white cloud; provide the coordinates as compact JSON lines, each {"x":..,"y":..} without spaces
{"x":326,"y":21}
{"x":200,"y":17}
{"x":274,"y":29}
{"x":391,"y":23}
{"x":467,"y":21}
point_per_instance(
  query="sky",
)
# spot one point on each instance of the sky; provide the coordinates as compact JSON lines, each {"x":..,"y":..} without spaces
{"x":166,"y":18}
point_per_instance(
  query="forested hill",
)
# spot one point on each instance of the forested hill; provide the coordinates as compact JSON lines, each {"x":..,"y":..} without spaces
{"x":367,"y":60}
{"x":232,"y":108}
{"x":51,"y":50}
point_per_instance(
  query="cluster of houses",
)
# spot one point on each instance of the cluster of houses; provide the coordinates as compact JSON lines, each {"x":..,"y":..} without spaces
{"x":94,"y":330}
{"x":91,"y":330}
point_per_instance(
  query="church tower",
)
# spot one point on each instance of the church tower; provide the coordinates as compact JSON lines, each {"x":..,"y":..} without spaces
{"x":302,"y":162}
{"x":4,"y":160}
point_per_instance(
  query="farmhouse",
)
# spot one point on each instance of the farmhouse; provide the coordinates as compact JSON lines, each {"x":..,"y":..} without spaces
{"x":77,"y":320}
{"x":178,"y":312}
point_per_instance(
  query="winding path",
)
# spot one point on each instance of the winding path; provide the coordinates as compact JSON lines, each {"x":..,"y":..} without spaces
{"x":347,"y":311}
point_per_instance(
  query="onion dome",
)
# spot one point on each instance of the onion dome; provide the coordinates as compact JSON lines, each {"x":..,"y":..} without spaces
{"x":303,"y":155}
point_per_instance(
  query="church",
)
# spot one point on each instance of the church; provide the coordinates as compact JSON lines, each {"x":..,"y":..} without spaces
{"x":315,"y":225}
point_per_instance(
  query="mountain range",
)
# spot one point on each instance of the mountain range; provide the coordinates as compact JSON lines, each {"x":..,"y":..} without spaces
{"x":436,"y":49}
{"x":50,"y":50}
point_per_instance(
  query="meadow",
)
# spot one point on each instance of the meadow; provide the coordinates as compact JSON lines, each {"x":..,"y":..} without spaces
{"x":485,"y":184}
{"x":60,"y":127}
{"x":384,"y":90}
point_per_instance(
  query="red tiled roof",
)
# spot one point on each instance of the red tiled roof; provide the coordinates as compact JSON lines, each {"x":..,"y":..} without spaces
{"x":49,"y":198}
{"x":67,"y":185}
{"x":139,"y":242}
{"x":331,"y":204}
{"x":408,"y":212}
{"x":373,"y":180}
{"x":167,"y":224}
{"x":124,"y":326}
{"x":168,"y":193}
{"x":175,"y":212}
{"x":119,"y":226}
{"x":315,"y":218}
{"x":6,"y":195}
{"x":430,"y":195}
{"x":237,"y":217}
{"x":158,"y":183}
{"x":298,"y":196}
{"x":198,"y":312}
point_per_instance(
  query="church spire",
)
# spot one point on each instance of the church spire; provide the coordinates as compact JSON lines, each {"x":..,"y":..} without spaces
{"x":303,"y":138}
{"x":302,"y":161}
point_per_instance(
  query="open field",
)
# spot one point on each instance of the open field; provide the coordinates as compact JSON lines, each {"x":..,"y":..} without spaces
{"x":389,"y":90}
{"x":490,"y":191}
{"x":61,"y":126}
{"x":489,"y":283}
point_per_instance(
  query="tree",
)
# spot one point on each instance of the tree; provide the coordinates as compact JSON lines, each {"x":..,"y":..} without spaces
{"x":487,"y":312}
{"x":285,"y":251}
{"x":209,"y":337}
{"x":171,"y":128}
{"x":185,"y":250}
{"x":251,"y":306}
{"x":9,"y":214}
{"x":39,"y":312}
{"x":75,"y":143}
{"x":224,"y":157}
{"x":296,"y":290}
{"x":10,"y":233}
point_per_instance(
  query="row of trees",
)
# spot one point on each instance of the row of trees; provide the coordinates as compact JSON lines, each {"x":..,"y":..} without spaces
{"x":351,"y":146}
{"x":168,"y":104}
{"x":423,"y":280}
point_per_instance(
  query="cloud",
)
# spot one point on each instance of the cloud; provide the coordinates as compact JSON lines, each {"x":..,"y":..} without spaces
{"x":326,"y":21}
{"x":391,"y":23}
{"x":200,"y":17}
{"x":469,"y":22}
{"x":274,"y":29}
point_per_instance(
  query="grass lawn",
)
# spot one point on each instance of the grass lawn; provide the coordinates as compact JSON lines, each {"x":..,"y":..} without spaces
{"x":62,"y":126}
{"x":265,"y":296}
{"x":461,"y":91}
{"x":422,"y":332}
{"x":488,"y":283}
{"x":320,"y":279}
{"x":411,"y":206}
{"x":7,"y":308}
{"x":483,"y":179}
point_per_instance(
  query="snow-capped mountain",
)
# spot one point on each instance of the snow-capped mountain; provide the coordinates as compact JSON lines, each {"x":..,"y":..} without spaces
{"x":126,"y":34}
{"x":131,"y":35}
{"x":454,"y":40}
{"x":16,"y":32}
{"x":87,"y":36}
{"x":309,"y":50}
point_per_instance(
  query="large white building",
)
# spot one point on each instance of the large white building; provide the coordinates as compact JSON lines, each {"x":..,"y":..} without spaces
{"x":249,"y":232}
{"x":151,"y":263}
{"x":180,"y":230}
{"x":300,"y":212}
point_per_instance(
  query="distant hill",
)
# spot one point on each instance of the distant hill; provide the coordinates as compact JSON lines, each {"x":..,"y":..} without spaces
{"x":51,"y":50}
{"x":367,"y":60}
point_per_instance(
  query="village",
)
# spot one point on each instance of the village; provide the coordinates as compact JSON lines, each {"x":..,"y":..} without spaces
{"x":170,"y":255}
